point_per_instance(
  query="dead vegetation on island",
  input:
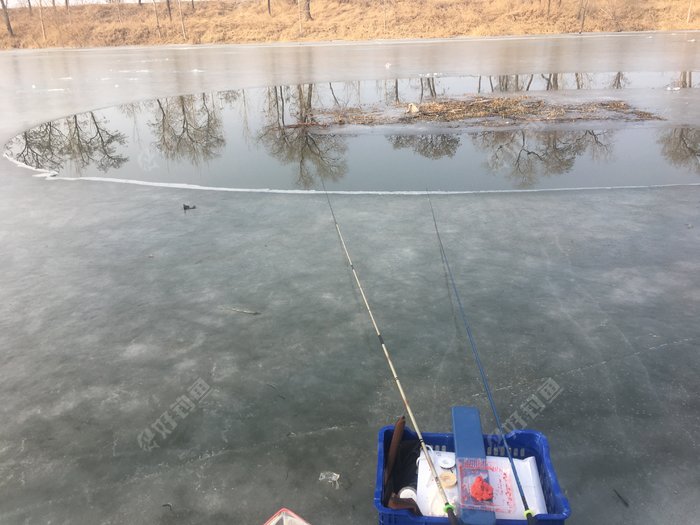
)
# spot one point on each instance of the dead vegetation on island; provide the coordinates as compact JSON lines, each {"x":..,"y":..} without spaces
{"x":494,"y":111}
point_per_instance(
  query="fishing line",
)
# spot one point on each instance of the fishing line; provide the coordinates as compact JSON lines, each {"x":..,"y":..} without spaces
{"x":448,"y":507}
{"x":528,"y":513}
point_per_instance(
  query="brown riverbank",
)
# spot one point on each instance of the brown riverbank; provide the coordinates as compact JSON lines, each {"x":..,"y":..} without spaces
{"x":240,"y":22}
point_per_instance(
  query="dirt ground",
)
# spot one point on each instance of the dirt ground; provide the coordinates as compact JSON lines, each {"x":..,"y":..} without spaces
{"x":117,"y":24}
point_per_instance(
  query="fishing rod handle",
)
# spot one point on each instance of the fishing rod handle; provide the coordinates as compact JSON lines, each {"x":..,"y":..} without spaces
{"x":451,"y":517}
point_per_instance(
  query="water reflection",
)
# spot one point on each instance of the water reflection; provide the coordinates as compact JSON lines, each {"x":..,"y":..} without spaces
{"x":81,"y":140}
{"x":291,"y":137}
{"x":526,"y":156}
{"x":187,"y":128}
{"x":681,"y":146}
{"x":313,"y":155}
{"x":584,"y":81}
{"x":430,"y":146}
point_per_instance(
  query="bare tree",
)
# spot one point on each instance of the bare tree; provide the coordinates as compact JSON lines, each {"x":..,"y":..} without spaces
{"x":118,"y":3}
{"x":583,"y":8}
{"x":41,"y":20}
{"x":155,"y":10}
{"x":6,"y":16}
{"x":619,"y":81}
{"x":553,"y":80}
{"x":510,"y":83}
{"x":579,"y":77}
{"x":182,"y":20}
{"x":307,"y":10}
{"x":686,"y":79}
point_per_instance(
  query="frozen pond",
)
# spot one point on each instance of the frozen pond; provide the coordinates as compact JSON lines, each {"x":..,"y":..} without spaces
{"x":207,"y":367}
{"x":288,"y":137}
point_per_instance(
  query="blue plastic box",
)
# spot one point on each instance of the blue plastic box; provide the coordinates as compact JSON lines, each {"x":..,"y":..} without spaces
{"x":523,"y":444}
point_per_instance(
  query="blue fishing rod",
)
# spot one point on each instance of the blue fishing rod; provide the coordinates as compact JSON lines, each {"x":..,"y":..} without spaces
{"x":529,"y":515}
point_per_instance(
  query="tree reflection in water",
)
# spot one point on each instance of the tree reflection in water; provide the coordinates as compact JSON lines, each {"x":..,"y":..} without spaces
{"x":316,"y":154}
{"x":430,"y":146}
{"x":89,"y":141}
{"x":681,"y":147}
{"x":79,"y":140}
{"x":41,"y":147}
{"x":525,"y":155}
{"x":187,"y":128}
{"x":296,"y":127}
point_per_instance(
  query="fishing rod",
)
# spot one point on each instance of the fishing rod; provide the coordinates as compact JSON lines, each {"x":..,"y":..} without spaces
{"x":528,"y":512}
{"x":447,"y":506}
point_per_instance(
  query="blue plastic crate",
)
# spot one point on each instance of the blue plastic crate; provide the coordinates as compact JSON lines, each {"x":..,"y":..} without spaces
{"x":523,"y":444}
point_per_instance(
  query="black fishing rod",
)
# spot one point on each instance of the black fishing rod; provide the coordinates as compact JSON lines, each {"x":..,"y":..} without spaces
{"x":448,"y":507}
{"x":528,"y":512}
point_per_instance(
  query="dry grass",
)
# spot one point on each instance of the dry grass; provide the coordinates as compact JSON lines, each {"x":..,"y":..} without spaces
{"x":235,"y":22}
{"x":495,"y":111}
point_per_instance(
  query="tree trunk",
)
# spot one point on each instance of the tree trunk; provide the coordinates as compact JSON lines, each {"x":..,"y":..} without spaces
{"x":583,"y":16}
{"x":182,"y":19}
{"x":269,"y":7}
{"x":301,"y":29}
{"x":690,"y":7}
{"x":192,"y":5}
{"x":170,"y":13}
{"x":307,"y":10}
{"x":41,"y":19}
{"x":155,"y":10}
{"x":6,"y":16}
{"x":29,"y":5}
